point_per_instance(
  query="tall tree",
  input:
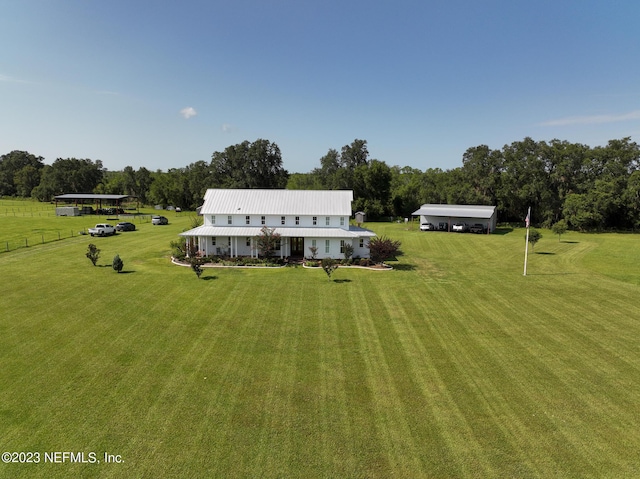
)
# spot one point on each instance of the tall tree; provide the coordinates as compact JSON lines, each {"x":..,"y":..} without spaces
{"x":327,"y":173}
{"x":144,"y":180}
{"x":525,"y":181}
{"x":565,"y":163}
{"x":354,"y":155}
{"x":14,"y":178}
{"x":482,"y":168}
{"x":26,"y":179}
{"x":405,"y":190}
{"x":372,"y":188}
{"x":249,"y":165}
{"x":69,"y":175}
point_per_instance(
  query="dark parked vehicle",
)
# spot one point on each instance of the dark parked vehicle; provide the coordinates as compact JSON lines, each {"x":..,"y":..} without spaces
{"x":159,"y":220}
{"x":477,"y":228}
{"x":125,"y":226}
{"x":442,"y":226}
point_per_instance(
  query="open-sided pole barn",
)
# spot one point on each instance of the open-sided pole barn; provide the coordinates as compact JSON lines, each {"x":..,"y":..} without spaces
{"x":449,"y":214}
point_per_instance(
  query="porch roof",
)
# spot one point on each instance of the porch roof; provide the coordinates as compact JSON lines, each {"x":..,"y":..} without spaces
{"x":289,"y":232}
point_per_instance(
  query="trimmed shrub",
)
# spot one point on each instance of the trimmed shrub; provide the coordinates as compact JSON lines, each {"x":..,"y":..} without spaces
{"x":117,"y":263}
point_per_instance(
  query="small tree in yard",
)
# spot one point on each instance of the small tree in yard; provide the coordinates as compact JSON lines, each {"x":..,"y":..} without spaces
{"x":329,"y":266}
{"x":534,"y":237}
{"x":267,"y":241}
{"x":314,"y":252}
{"x":559,"y":228}
{"x":348,"y":251}
{"x":93,"y":253}
{"x":117,"y":263}
{"x":382,"y":248}
{"x":196,"y":265}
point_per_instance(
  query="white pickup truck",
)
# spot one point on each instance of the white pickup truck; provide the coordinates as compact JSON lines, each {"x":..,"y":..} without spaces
{"x":102,"y":229}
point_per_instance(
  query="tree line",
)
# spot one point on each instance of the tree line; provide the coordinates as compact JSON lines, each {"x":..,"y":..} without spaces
{"x":591,"y":188}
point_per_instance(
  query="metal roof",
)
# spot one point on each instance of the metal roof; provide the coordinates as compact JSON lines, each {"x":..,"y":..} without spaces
{"x":277,"y":202}
{"x":83,"y":196}
{"x":456,"y":211}
{"x":248,"y":231}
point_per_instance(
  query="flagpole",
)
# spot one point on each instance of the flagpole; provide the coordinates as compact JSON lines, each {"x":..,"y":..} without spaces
{"x":526,"y":244}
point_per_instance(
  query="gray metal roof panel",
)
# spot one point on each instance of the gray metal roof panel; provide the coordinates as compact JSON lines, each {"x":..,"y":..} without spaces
{"x":88,"y":196}
{"x":456,"y":211}
{"x":277,"y":202}
{"x":248,"y":231}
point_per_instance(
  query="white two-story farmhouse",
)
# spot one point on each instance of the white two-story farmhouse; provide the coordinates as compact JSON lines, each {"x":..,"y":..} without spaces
{"x":234,"y":218}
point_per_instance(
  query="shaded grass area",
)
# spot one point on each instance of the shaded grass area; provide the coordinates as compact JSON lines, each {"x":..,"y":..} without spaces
{"x":452,"y":365}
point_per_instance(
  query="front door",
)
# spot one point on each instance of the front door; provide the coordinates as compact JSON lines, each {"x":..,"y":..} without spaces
{"x":297,"y":246}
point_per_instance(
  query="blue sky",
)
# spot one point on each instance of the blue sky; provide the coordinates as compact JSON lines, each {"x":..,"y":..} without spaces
{"x":165,"y":84}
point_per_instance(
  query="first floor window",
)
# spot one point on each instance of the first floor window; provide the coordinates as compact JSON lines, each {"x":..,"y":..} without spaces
{"x":361,"y":242}
{"x":248,"y":241}
{"x":342,"y":246}
{"x":313,"y":243}
{"x":213,"y":241}
{"x":327,"y":246}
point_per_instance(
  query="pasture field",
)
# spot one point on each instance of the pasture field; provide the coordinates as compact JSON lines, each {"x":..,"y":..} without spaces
{"x":452,"y":365}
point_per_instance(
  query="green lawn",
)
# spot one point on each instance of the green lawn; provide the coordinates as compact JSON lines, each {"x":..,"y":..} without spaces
{"x":452,"y":365}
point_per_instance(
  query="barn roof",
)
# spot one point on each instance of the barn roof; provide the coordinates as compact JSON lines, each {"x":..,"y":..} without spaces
{"x":456,"y":211}
{"x":277,"y":202}
{"x":88,"y":196}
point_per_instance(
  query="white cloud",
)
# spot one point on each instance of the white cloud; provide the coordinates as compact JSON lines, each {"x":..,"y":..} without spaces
{"x":593,"y":119}
{"x":188,"y":112}
{"x":7,"y":78}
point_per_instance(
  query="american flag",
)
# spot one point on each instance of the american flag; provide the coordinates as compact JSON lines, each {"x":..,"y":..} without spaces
{"x":527,"y":219}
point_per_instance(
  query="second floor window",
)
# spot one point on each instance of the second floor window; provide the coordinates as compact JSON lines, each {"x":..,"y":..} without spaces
{"x":342,"y":221}
{"x":282,"y":220}
{"x":247,"y":220}
{"x":229,"y":220}
{"x":297,"y":220}
{"x":263,"y":220}
{"x":315,"y":220}
{"x":327,"y":221}
{"x":213,"y":220}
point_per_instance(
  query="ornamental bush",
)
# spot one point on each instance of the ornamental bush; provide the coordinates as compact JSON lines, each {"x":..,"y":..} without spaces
{"x":93,"y":253}
{"x":329,"y":266}
{"x":117,"y":263}
{"x":383,"y":248}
